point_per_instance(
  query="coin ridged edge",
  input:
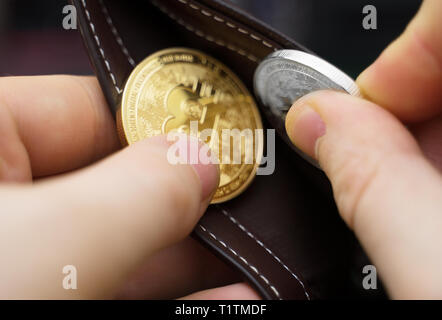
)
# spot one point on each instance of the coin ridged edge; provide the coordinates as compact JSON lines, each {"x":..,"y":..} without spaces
{"x":319,"y":65}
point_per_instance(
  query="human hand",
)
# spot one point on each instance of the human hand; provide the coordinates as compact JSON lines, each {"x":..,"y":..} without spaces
{"x":384,"y":157}
{"x":128,"y":212}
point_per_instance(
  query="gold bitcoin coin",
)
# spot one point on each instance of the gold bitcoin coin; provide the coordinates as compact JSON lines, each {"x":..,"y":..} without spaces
{"x":179,"y":89}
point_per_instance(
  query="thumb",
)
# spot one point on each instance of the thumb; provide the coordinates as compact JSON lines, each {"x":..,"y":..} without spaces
{"x":384,"y":188}
{"x":104,"y":221}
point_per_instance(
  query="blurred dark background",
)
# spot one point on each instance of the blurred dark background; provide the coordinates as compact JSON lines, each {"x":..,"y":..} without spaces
{"x":33,"y":41}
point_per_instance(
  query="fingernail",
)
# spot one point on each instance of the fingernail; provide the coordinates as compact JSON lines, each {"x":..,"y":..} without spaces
{"x":198,"y":155}
{"x":304,"y":127}
{"x":207,"y":171}
{"x":209,"y":178}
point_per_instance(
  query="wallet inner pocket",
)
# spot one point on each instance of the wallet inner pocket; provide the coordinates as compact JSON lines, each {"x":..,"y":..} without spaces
{"x":149,"y":26}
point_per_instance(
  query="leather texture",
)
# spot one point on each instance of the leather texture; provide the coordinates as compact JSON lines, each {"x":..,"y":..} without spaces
{"x":283,"y":233}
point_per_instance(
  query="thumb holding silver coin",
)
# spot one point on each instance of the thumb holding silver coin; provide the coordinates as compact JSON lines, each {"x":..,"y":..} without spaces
{"x":383,"y":156}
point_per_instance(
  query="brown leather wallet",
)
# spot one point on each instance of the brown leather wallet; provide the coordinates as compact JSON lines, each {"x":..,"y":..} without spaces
{"x":283,"y":233}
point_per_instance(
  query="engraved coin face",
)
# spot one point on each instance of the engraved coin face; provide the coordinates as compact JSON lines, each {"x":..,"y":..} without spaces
{"x":177,"y":89}
{"x":287,"y":75}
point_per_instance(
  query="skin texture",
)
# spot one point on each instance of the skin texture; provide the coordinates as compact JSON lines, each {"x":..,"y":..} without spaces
{"x":129,"y":211}
{"x":383,"y":157}
{"x":124,"y":219}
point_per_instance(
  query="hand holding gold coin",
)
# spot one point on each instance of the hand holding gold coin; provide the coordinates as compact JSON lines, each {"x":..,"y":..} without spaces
{"x":175,"y":88}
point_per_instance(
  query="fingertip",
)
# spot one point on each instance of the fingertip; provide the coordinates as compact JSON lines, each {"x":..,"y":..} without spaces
{"x":204,"y":166}
{"x":208,"y":175}
{"x":406,"y":77}
{"x":304,"y":127}
{"x":404,"y":80}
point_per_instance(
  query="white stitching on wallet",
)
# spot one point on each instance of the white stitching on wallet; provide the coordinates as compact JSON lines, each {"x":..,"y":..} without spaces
{"x":116,"y":34}
{"x":203,"y":35}
{"x":97,"y":40}
{"x":253,"y":268}
{"x":229,"y":24}
{"x":254,"y":59}
{"x":237,"y":223}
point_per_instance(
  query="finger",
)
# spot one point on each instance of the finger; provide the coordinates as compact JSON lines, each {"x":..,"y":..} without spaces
{"x":62,"y":121}
{"x":14,"y":160}
{"x":104,"y":220}
{"x":177,"y":271}
{"x":407,"y":77}
{"x":384,"y":188}
{"x":238,"y":291}
{"x":429,"y":136}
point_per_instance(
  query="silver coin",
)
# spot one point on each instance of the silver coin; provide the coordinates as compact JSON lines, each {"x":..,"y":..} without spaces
{"x":287,"y":75}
